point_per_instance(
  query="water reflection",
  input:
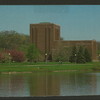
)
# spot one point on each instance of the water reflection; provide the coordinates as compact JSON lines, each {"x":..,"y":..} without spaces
{"x":44,"y":85}
{"x":78,"y":84}
{"x":49,"y":84}
{"x":13,"y":85}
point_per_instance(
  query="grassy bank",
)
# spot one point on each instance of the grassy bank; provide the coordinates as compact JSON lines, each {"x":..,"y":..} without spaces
{"x":50,"y":66}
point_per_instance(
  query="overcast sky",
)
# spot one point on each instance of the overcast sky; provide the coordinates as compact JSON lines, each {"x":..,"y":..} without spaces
{"x":78,"y":22}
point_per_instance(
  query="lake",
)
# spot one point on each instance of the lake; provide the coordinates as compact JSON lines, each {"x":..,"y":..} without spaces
{"x":49,"y":84}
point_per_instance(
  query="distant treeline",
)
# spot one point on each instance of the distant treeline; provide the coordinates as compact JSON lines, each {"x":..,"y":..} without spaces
{"x":14,"y":40}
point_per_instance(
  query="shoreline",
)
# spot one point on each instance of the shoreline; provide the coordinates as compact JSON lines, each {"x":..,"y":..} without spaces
{"x":15,"y":72}
{"x":49,"y":67}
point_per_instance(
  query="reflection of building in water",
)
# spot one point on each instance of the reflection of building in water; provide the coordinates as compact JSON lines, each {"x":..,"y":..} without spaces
{"x":45,"y":85}
{"x":18,"y":85}
{"x":49,"y":84}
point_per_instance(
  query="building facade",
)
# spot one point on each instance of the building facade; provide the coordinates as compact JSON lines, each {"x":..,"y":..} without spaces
{"x":91,"y":45}
{"x":46,"y":37}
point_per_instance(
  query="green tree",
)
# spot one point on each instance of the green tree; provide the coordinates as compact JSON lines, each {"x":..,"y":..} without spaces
{"x":62,"y":54}
{"x":80,"y":55}
{"x":73,"y":56}
{"x":87,"y":55}
{"x":13,"y":40}
{"x":32,"y":53}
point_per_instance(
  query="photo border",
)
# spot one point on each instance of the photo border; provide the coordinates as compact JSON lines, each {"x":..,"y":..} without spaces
{"x":51,"y":2}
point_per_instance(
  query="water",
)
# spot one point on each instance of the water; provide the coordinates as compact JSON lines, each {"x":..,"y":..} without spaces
{"x":49,"y":84}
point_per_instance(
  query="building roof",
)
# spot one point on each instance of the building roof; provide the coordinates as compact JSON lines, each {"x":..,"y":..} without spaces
{"x":45,"y":23}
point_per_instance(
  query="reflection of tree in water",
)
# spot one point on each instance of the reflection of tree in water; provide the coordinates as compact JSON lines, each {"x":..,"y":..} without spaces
{"x":78,"y":84}
{"x":44,"y":84}
{"x":13,"y":85}
{"x":18,"y":84}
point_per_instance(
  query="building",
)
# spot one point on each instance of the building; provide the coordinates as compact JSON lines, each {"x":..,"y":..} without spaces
{"x":46,"y":37}
{"x":91,"y":45}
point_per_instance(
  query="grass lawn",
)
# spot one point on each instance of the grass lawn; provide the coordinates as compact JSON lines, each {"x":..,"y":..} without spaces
{"x":49,"y":66}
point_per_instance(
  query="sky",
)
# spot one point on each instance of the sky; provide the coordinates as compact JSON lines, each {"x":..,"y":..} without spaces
{"x":77,"y":22}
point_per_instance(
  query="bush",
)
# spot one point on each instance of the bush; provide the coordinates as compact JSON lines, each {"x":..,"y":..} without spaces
{"x":1,"y":57}
{"x":5,"y":57}
{"x":17,"y":56}
{"x":11,"y":55}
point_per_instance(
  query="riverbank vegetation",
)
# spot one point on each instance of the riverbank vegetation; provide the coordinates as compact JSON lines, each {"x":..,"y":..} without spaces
{"x":17,"y":54}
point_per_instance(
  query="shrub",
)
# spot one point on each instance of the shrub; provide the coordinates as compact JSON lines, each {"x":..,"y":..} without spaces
{"x":17,"y":56}
{"x":5,"y":57}
{"x":1,"y":57}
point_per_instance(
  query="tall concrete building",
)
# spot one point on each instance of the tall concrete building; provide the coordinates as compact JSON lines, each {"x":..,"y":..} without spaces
{"x":46,"y":37}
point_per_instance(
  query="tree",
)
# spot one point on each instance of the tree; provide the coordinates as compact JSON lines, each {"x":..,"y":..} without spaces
{"x":32,"y":53}
{"x":62,"y":54}
{"x":13,"y":40}
{"x":73,"y":56}
{"x":80,"y":55}
{"x":49,"y":57}
{"x":87,"y":55}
